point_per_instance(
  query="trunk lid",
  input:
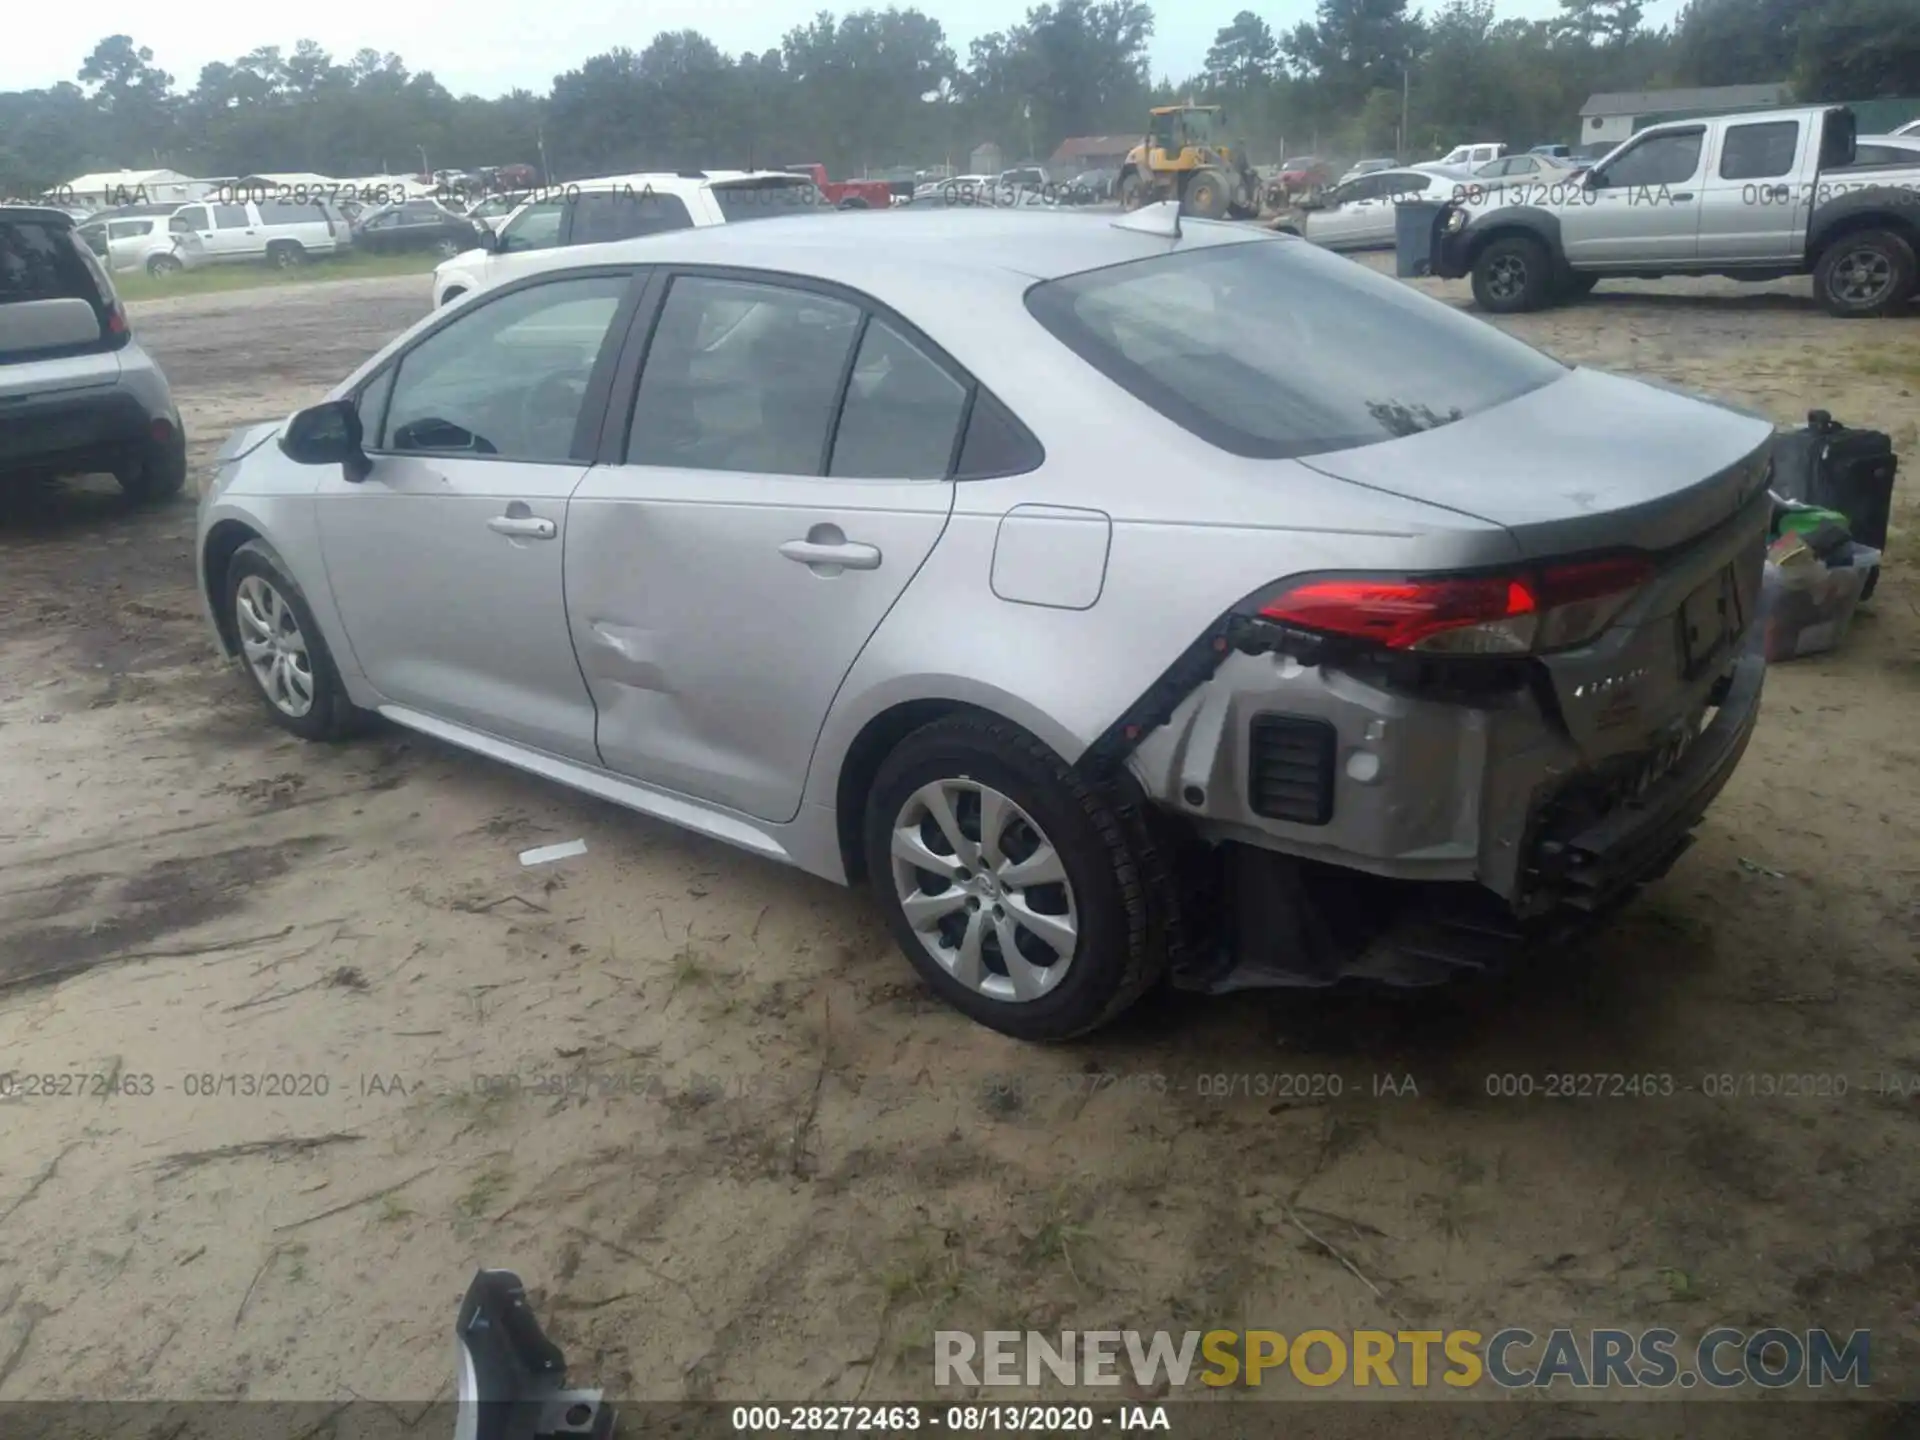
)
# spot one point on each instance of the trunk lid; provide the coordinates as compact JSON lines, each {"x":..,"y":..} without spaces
{"x":1590,"y":462}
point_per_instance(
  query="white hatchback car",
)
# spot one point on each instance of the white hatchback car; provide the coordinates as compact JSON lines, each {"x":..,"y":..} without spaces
{"x":136,"y":242}
{"x":625,"y":207}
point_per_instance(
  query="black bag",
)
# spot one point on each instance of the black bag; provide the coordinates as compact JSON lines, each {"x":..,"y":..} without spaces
{"x":1838,"y":468}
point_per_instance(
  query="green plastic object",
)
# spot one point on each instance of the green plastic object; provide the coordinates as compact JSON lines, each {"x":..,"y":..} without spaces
{"x":1803,"y":522}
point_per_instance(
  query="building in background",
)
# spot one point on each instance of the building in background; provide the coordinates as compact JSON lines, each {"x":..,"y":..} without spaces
{"x":986,"y":159}
{"x":1609,"y":118}
{"x":1090,"y":152}
{"x":110,"y":189}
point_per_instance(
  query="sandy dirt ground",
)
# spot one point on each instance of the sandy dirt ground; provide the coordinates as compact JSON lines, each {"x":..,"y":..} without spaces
{"x":739,"y":1152}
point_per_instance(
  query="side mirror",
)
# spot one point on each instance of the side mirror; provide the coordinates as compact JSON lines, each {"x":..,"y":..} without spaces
{"x":327,"y":434}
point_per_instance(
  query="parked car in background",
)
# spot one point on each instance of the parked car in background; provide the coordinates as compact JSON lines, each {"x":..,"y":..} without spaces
{"x":417,"y":226}
{"x":281,"y":232}
{"x":493,"y":210}
{"x":1477,"y":153}
{"x":1090,"y":187}
{"x":1303,"y":175}
{"x":1558,"y":152}
{"x":138,"y":239}
{"x":1754,"y":196}
{"x":847,"y":194}
{"x":1359,"y":215}
{"x":1367,"y":167}
{"x":1912,"y":127}
{"x":78,"y":393}
{"x":952,"y":188}
{"x":1525,"y":167}
{"x":683,"y":523}
{"x":624,"y":207}
{"x":1021,"y":177}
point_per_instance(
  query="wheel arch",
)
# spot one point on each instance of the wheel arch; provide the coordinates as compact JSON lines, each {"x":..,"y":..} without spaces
{"x":844,"y":770}
{"x":1839,"y":220}
{"x":216,"y":553}
{"x":1516,"y":223}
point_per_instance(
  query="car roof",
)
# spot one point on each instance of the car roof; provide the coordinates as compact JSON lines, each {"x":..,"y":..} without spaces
{"x":901,"y":255}
{"x":40,"y":214}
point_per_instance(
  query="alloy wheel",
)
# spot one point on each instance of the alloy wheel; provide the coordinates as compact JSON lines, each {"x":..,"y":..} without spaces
{"x":275,"y":649}
{"x":1863,"y":277}
{"x":1506,"y":277}
{"x":984,"y":890}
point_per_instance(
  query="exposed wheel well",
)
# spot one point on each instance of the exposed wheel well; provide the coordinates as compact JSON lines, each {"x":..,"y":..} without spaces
{"x":1509,"y":232}
{"x":225,"y":538}
{"x":854,"y":202}
{"x":453,"y":293}
{"x":1900,"y":225}
{"x":870,"y":747}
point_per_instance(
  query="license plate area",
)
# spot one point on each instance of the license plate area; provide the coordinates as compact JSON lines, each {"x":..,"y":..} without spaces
{"x":1707,"y":623}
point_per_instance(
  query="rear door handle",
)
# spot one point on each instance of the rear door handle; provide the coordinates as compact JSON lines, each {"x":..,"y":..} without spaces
{"x":843,"y":554}
{"x":1680,"y":195}
{"x":523,"y":527}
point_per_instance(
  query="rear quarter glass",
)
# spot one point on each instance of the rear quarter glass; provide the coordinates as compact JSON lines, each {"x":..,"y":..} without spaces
{"x":1212,"y":339}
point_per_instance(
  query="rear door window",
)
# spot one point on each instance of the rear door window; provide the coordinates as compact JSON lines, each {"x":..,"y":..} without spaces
{"x":535,"y":228}
{"x":741,"y":376}
{"x":231,"y":217}
{"x":623,"y":214}
{"x":1213,"y":338}
{"x":1759,"y":152}
{"x":764,"y":198}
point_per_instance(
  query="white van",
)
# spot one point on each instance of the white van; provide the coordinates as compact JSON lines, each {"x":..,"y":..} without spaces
{"x":1471,"y":155}
{"x":282,"y":232}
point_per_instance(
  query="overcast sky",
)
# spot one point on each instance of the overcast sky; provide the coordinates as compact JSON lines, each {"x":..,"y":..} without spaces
{"x":488,"y":47}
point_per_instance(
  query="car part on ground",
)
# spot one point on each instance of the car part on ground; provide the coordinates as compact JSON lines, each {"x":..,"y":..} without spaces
{"x":78,"y":394}
{"x":1754,"y":196}
{"x":1437,"y":648}
{"x":510,"y":1380}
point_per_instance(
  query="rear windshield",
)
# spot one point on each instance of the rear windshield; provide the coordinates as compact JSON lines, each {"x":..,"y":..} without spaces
{"x":1276,"y":348}
{"x":768,"y":196}
{"x":41,"y":262}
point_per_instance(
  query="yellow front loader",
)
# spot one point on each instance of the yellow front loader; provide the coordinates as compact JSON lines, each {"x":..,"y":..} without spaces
{"x":1184,"y":159}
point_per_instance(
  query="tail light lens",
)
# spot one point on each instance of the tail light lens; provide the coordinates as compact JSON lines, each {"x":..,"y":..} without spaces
{"x":1521,"y":612}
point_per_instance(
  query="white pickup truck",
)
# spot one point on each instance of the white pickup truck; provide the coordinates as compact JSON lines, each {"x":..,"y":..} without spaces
{"x":1754,"y":196}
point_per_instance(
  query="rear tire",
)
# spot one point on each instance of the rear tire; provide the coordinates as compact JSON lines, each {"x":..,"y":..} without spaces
{"x":446,"y":249}
{"x":1110,"y":897}
{"x":160,"y":473}
{"x":274,"y":608}
{"x":286,"y":254}
{"x":1512,"y":275}
{"x":1864,"y":275}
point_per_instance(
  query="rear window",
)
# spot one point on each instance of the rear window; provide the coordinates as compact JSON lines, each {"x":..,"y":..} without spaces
{"x":623,"y":214}
{"x":763,"y":198}
{"x":1275,"y":348}
{"x":41,"y":262}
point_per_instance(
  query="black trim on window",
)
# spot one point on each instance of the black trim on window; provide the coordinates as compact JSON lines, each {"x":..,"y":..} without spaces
{"x":840,"y":392}
{"x":593,"y":404}
{"x":625,"y":393}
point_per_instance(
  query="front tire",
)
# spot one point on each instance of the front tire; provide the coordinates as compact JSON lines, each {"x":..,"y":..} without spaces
{"x":282,"y":651}
{"x":446,"y":249}
{"x":161,"y":267}
{"x":1512,"y":275}
{"x":1133,"y":191}
{"x":1024,"y":895}
{"x":1864,"y":275}
{"x":1207,"y":195}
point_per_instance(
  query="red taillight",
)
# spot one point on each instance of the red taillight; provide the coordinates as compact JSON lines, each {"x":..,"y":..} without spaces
{"x":116,"y":321}
{"x":1506,"y":614}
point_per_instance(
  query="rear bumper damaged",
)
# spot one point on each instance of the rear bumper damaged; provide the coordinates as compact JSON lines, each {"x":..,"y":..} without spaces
{"x":1429,"y":837}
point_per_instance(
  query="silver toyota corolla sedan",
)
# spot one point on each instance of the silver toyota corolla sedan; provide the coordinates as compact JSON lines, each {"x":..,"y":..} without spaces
{"x":1121,"y":605}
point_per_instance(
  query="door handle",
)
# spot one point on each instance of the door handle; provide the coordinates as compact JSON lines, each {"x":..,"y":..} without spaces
{"x":840,"y":554}
{"x":523,"y":527}
{"x":1680,"y":195}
